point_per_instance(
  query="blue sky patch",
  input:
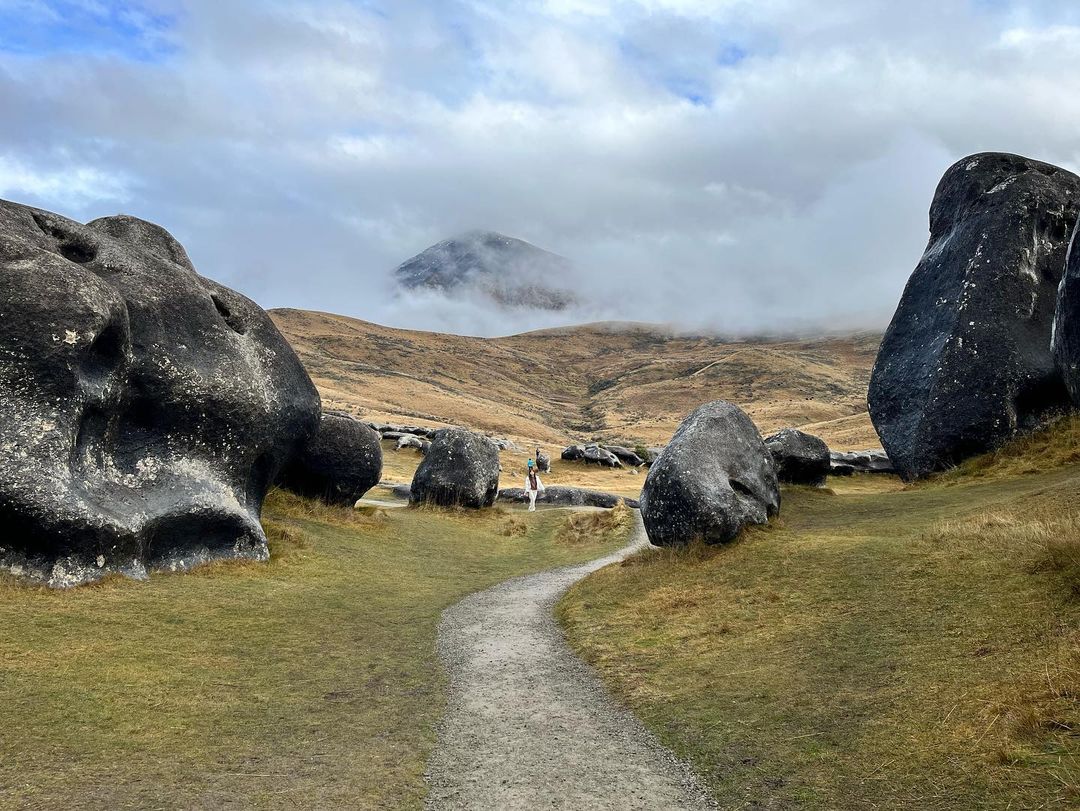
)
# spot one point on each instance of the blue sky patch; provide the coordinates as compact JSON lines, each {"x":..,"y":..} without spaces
{"x":127,"y":30}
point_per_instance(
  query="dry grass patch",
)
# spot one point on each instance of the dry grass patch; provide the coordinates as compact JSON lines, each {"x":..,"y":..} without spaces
{"x":881,"y":647}
{"x":1055,"y":445}
{"x":595,"y":526}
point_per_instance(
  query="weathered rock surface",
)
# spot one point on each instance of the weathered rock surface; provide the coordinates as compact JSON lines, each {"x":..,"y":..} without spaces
{"x":412,"y":441}
{"x":800,"y":458}
{"x":624,"y":455}
{"x":966,"y":361}
{"x":713,"y":478}
{"x":388,"y":431}
{"x":573,"y":453}
{"x":460,"y":469}
{"x":337,"y":465}
{"x":1065,"y":343}
{"x":595,"y":455}
{"x":848,"y":463}
{"x":590,"y":454}
{"x":567,"y":497}
{"x":402,"y":491}
{"x":144,"y":410}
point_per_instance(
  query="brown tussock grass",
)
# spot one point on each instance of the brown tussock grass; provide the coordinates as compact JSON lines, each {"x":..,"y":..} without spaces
{"x":595,"y":527}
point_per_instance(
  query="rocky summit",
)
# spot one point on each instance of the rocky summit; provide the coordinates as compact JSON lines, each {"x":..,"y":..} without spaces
{"x":509,"y":271}
{"x":966,"y":361}
{"x":144,"y":409}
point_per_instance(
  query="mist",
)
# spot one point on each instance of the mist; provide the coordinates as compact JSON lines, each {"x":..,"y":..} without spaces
{"x":719,"y":166}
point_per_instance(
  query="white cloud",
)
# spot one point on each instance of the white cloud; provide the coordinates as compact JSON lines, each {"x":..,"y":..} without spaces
{"x":734,"y":164}
{"x":70,"y":187}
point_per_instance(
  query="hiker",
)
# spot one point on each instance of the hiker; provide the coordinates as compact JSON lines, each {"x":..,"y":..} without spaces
{"x":533,"y":486}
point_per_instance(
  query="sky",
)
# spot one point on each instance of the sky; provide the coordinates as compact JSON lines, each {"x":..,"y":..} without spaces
{"x":738,"y":166}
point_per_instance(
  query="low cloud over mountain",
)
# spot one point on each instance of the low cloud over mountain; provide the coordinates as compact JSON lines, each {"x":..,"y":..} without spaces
{"x":510,"y":272}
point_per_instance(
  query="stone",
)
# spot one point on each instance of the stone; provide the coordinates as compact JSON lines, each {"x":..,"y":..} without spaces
{"x":573,"y":453}
{"x":966,"y":362}
{"x":595,"y":455}
{"x":339,"y":464}
{"x":410,"y":441}
{"x":559,"y":496}
{"x":144,"y":410}
{"x":800,"y":458}
{"x":624,"y":455}
{"x":1065,"y":342}
{"x":713,"y":479}
{"x":848,"y":463}
{"x":460,"y":469}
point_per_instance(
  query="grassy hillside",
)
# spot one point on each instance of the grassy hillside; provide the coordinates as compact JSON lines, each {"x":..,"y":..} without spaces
{"x":311,"y":681}
{"x":628,"y":383}
{"x":879,"y":646}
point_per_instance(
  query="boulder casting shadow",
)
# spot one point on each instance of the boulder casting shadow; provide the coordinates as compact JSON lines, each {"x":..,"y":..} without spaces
{"x":144,"y":410}
{"x":339,"y":464}
{"x":713,"y":478}
{"x":460,"y":469}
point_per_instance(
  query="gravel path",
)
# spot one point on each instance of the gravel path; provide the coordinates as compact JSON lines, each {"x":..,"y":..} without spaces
{"x":529,"y":725}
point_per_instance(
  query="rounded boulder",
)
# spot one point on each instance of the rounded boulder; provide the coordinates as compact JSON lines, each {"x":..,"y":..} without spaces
{"x":339,"y":464}
{"x":714,"y":478}
{"x":460,"y":469}
{"x":800,"y":458}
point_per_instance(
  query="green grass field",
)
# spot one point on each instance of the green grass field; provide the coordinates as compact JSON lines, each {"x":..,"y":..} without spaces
{"x":308,"y":682}
{"x":879,"y":646}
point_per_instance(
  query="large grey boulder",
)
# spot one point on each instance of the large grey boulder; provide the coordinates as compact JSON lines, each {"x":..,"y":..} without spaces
{"x":714,"y":478}
{"x":800,"y":458}
{"x":460,"y":469}
{"x":412,"y":441}
{"x":144,"y":409}
{"x":339,"y":464}
{"x":966,"y":361}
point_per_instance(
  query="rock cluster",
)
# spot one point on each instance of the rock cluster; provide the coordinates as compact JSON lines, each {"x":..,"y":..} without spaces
{"x":567,"y":497}
{"x":848,"y":463}
{"x":144,"y":409}
{"x":714,"y":478}
{"x":591,"y":454}
{"x":967,"y":360}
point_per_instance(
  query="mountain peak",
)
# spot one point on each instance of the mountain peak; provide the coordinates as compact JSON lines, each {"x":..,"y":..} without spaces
{"x":511,"y":271}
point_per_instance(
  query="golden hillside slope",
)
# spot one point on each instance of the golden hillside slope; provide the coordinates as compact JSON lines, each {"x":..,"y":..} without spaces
{"x":630,"y":383}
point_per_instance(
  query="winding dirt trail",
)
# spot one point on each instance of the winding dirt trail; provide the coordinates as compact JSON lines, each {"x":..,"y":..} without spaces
{"x":529,"y":725}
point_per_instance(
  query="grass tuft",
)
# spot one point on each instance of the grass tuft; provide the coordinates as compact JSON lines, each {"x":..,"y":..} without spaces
{"x":1050,"y":447}
{"x":595,"y":527}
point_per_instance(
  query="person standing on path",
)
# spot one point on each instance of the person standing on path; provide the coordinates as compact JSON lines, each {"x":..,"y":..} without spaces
{"x":533,"y":486}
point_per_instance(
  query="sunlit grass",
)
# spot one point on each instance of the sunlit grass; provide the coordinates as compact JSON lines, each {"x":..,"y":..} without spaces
{"x":311,"y":681}
{"x":879,"y":646}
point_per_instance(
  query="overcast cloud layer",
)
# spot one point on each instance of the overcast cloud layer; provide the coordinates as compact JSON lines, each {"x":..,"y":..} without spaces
{"x":760,"y":166}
